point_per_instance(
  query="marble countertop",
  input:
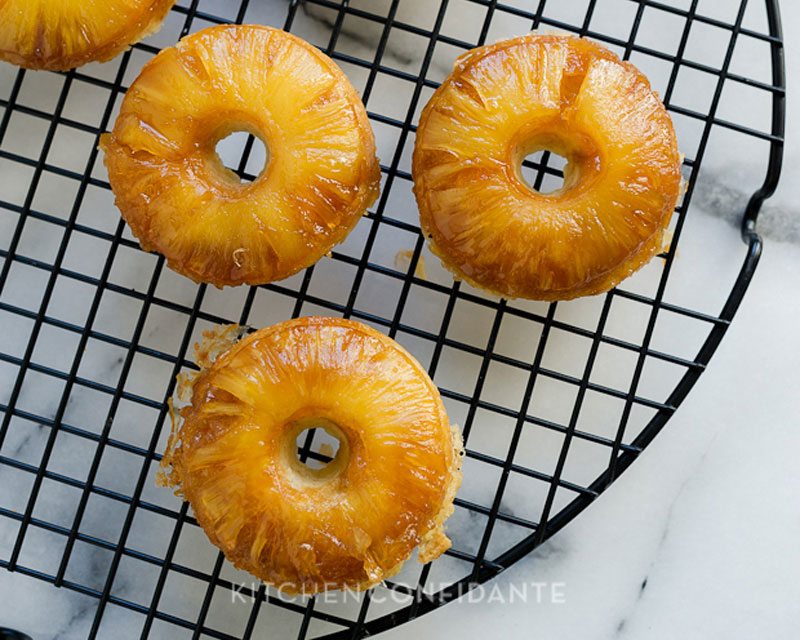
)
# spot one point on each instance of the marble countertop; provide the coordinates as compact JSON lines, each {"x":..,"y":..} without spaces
{"x":698,"y":539}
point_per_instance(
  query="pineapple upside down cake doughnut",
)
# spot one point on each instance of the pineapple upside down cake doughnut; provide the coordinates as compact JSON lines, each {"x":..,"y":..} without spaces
{"x":570,"y":96}
{"x":388,"y":489}
{"x":64,"y":34}
{"x":181,"y":201}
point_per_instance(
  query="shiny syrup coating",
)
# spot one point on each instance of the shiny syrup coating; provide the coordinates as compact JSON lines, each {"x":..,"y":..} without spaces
{"x":64,"y":34}
{"x":179,"y":199}
{"x":233,"y":455}
{"x":575,"y":98}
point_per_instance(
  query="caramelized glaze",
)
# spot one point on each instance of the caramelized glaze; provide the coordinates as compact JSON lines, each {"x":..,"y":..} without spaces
{"x":572,"y":97}
{"x":64,"y":34}
{"x":179,"y":199}
{"x":233,"y":455}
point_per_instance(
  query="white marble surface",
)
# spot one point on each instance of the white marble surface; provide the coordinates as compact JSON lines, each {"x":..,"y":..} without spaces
{"x":707,"y":518}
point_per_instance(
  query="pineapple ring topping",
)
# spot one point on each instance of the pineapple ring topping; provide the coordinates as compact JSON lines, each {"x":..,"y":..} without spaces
{"x":178,"y":197}
{"x":388,"y":489}
{"x":570,"y":96}
{"x":64,"y":34}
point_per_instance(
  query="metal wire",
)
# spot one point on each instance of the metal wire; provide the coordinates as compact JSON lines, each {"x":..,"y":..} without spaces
{"x":478,"y":563}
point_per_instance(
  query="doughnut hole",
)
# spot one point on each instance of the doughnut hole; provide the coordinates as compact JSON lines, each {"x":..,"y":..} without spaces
{"x":574,"y":154}
{"x":540,"y":163}
{"x":317,"y":450}
{"x":230,"y":150}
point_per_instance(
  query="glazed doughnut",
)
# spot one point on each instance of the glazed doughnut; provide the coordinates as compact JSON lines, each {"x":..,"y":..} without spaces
{"x":388,"y":489}
{"x":181,"y":201}
{"x":64,"y":34}
{"x":545,"y":92}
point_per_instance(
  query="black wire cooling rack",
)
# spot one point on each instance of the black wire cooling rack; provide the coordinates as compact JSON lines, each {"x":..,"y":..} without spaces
{"x":80,"y":441}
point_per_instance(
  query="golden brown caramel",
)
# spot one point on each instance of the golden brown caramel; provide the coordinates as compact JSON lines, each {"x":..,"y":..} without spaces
{"x":389,"y":489}
{"x":63,"y":34}
{"x":558,"y":93}
{"x":180,"y":200}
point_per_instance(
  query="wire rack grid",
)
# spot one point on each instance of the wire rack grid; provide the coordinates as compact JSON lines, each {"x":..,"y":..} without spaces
{"x":555,"y":400}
